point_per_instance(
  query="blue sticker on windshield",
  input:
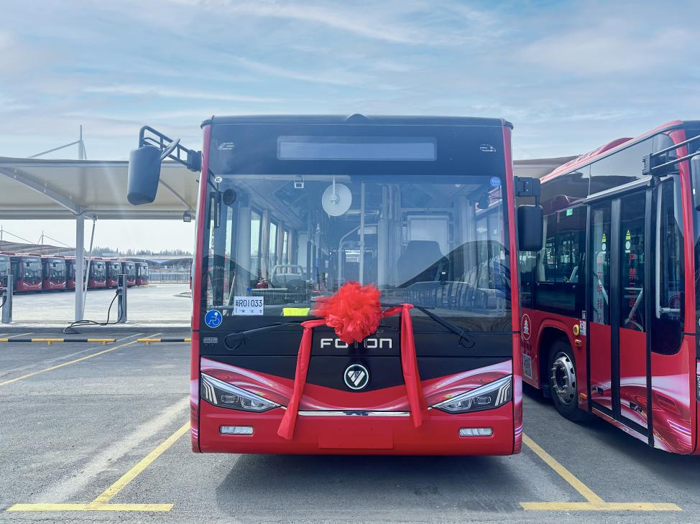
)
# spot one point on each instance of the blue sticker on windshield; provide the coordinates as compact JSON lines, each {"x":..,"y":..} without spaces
{"x":213,"y":319}
{"x":495,"y":181}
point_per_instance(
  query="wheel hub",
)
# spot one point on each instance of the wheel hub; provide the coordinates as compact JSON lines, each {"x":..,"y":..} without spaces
{"x":563,"y":375}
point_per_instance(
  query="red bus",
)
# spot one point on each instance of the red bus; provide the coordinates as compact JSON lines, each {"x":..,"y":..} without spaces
{"x":129,"y":269}
{"x":98,"y":274}
{"x":142,"y":273}
{"x":26,"y":272}
{"x":610,"y":304}
{"x":114,"y":269}
{"x":421,"y":207}
{"x":70,"y":272}
{"x":53,"y":273}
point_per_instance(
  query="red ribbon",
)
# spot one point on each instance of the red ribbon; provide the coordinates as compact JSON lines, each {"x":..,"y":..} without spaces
{"x":409,"y":365}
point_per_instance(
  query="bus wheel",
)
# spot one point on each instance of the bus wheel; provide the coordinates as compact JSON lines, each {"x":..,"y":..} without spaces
{"x":563,"y":381}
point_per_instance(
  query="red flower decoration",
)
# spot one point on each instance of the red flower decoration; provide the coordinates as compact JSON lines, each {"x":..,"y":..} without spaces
{"x":354,"y":312}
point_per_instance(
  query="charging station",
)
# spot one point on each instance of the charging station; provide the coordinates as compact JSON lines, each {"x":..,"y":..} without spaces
{"x":6,"y":298}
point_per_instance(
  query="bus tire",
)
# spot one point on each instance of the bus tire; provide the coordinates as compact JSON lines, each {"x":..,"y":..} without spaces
{"x":563,"y":381}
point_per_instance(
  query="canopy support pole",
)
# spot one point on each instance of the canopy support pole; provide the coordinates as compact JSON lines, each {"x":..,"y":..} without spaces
{"x":79,"y":267}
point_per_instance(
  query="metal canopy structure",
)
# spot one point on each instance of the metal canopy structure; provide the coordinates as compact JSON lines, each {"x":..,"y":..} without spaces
{"x":59,"y":189}
{"x":41,"y":189}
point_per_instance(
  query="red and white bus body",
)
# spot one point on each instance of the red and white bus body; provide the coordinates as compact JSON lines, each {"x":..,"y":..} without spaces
{"x":53,"y":273}
{"x":114,"y":269}
{"x":616,"y":283}
{"x":26,"y":272}
{"x":142,"y":273}
{"x":97,"y":278}
{"x":425,"y":212}
{"x":129,"y":269}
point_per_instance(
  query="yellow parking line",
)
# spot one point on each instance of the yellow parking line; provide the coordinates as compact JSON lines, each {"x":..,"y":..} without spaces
{"x":605,"y":506}
{"x":102,"y":503}
{"x":34,"y":373}
{"x":89,"y":507}
{"x":579,"y":486}
{"x":130,"y":475}
{"x":595,"y":503}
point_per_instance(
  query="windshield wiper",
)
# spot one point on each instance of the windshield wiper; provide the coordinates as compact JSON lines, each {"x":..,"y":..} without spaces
{"x":464,"y":335}
{"x":240,"y":336}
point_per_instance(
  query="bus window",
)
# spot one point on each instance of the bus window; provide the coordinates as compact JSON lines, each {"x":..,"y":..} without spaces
{"x":632,"y":262}
{"x":668,"y":307}
{"x":600,"y":281}
{"x":620,"y":168}
{"x":559,"y":284}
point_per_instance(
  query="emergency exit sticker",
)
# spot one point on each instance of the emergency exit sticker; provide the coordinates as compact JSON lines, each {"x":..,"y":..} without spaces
{"x":250,"y":306}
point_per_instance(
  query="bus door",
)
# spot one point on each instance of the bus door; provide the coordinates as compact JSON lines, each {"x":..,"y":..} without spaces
{"x":618,"y":326}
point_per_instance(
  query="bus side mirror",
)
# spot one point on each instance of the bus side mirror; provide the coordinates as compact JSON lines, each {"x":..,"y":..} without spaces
{"x":695,"y":170}
{"x":530,"y":226}
{"x":144,"y":175}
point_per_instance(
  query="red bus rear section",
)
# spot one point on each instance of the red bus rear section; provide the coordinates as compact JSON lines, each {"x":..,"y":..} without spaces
{"x":422,"y":208}
{"x":609,"y":323}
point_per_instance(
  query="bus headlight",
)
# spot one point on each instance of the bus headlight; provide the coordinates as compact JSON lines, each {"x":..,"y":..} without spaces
{"x":489,"y":396}
{"x":225,"y":395}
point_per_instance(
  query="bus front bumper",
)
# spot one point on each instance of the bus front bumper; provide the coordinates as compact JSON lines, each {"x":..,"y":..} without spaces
{"x":356,"y":434}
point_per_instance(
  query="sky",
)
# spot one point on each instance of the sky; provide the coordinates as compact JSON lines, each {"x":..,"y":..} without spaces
{"x":570,"y":75}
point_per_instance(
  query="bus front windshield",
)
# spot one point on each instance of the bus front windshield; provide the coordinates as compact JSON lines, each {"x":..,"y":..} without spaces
{"x":434,"y":241}
{"x":58,"y":270}
{"x":98,"y":270}
{"x":32,"y":270}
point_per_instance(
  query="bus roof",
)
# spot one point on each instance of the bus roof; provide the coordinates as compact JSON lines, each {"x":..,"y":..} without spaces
{"x":358,"y":119}
{"x":612,"y":147}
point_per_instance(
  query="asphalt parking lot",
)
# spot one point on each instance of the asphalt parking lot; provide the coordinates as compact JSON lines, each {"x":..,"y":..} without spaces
{"x":94,"y":432}
{"x":157,"y":303}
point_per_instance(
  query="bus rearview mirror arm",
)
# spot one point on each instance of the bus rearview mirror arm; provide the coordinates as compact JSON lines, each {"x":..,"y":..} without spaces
{"x":145,"y":162}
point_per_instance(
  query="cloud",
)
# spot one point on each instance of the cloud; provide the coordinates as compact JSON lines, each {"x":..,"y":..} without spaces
{"x":141,"y":90}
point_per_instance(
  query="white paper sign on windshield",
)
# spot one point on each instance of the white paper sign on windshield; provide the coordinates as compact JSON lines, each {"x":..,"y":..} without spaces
{"x":250,"y":306}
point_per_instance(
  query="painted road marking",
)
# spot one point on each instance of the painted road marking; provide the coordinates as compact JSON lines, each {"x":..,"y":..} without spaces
{"x":594,"y":502}
{"x":45,"y":370}
{"x":102,"y":502}
{"x":49,"y":341}
{"x":149,"y":341}
{"x":73,"y":483}
{"x":6,"y":337}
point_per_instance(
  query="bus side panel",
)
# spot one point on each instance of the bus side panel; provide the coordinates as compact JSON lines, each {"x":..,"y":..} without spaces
{"x":536,"y":348}
{"x":601,"y":364}
{"x":515,"y":296}
{"x":197,"y":297}
{"x":696,"y":425}
{"x":671,"y":399}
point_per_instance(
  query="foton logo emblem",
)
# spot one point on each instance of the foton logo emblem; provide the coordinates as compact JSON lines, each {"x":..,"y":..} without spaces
{"x":356,"y":377}
{"x":368,"y":343}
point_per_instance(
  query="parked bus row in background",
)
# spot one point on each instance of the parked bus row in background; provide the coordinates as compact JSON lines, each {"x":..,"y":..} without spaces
{"x":35,"y":273}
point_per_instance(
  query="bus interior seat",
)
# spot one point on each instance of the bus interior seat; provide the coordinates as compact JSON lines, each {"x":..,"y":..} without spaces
{"x":421,"y":262}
